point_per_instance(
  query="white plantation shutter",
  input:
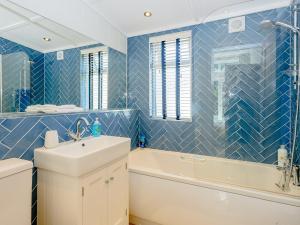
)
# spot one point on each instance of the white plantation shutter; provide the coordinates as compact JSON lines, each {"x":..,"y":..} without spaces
{"x":156,"y":81}
{"x":94,"y":79}
{"x":95,"y":83}
{"x":185,"y":78}
{"x":104,"y":76}
{"x":84,"y":81}
{"x":170,"y":76}
{"x":170,"y":68}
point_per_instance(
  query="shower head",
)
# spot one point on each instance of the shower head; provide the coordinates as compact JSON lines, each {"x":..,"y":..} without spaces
{"x":271,"y":24}
{"x":267,"y":24}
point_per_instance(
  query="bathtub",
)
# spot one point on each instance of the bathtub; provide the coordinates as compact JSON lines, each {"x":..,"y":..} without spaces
{"x":171,"y":188}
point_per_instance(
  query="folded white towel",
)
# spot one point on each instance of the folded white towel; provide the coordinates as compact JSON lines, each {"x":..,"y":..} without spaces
{"x":42,"y":107}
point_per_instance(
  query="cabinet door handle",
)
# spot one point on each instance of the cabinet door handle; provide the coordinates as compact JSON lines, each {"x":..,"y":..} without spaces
{"x":111,"y":178}
{"x":107,"y":181}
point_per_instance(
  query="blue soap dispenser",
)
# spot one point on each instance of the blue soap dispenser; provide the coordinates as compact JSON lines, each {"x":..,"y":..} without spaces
{"x":142,"y":141}
{"x":96,"y":128}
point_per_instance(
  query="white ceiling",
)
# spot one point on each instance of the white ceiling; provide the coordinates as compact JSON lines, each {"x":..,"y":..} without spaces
{"x":127,"y":16}
{"x":78,"y":16}
{"x":109,"y":21}
{"x":27,"y":28}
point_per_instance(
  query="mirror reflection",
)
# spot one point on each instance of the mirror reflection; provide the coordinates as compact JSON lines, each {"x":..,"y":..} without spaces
{"x":226,"y":64}
{"x":42,"y":69}
{"x":102,"y":78}
{"x":15,"y":82}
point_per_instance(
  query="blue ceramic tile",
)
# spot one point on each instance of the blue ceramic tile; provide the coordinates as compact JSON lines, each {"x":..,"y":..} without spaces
{"x":19,"y":132}
{"x":3,"y":150}
{"x":10,"y":124}
{"x":26,"y":141}
{"x":3,"y":132}
{"x":63,"y":120}
{"x":39,"y":142}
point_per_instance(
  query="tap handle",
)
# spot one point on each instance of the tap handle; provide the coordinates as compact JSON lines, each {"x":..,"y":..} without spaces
{"x":84,"y":130}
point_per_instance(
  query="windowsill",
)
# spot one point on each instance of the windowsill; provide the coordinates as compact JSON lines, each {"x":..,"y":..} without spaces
{"x":171,"y":120}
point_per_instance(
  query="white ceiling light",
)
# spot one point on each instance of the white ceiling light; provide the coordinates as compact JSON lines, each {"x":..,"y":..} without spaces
{"x":47,"y":39}
{"x":147,"y":14}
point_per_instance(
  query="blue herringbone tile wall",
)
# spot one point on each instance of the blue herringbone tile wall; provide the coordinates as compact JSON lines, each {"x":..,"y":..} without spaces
{"x":17,"y":144}
{"x":36,"y":68}
{"x":257,"y":105}
{"x":62,"y":78}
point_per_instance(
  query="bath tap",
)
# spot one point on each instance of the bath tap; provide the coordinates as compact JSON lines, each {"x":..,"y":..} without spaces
{"x":283,"y":184}
{"x":296,"y":176}
{"x":78,"y":135}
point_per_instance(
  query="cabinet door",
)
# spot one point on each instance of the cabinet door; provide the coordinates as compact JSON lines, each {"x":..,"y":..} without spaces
{"x":95,"y":199}
{"x":118,"y":193}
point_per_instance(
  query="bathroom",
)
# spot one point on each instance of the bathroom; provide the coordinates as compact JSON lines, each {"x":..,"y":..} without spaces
{"x":167,"y":112}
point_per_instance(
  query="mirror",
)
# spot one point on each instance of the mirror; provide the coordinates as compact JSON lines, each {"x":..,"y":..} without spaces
{"x":227,"y":62}
{"x":42,"y":62}
{"x":15,"y":82}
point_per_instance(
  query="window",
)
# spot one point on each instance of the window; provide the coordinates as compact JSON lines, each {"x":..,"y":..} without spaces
{"x":94,"y":78}
{"x":170,"y":76}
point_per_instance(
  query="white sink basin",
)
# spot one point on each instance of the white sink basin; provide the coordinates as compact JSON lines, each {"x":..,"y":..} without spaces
{"x":78,"y":158}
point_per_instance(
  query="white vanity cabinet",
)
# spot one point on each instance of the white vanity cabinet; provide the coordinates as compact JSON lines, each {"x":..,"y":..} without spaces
{"x":97,"y":198}
{"x":105,"y":196}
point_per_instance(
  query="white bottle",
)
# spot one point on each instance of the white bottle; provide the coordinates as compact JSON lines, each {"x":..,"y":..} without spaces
{"x":282,"y":156}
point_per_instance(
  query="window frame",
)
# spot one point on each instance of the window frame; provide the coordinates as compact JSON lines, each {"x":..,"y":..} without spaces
{"x":89,"y":51}
{"x":171,"y":37}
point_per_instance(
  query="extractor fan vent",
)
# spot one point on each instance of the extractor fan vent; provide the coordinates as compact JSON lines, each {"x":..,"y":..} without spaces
{"x":236,"y":24}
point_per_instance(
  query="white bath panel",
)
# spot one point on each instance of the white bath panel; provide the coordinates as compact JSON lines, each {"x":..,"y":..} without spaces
{"x":169,"y":188}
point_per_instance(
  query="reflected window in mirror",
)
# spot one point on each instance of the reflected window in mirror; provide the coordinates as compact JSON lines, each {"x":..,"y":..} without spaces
{"x":94,"y":78}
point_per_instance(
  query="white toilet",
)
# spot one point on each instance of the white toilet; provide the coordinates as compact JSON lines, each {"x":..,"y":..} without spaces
{"x":15,"y":192}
